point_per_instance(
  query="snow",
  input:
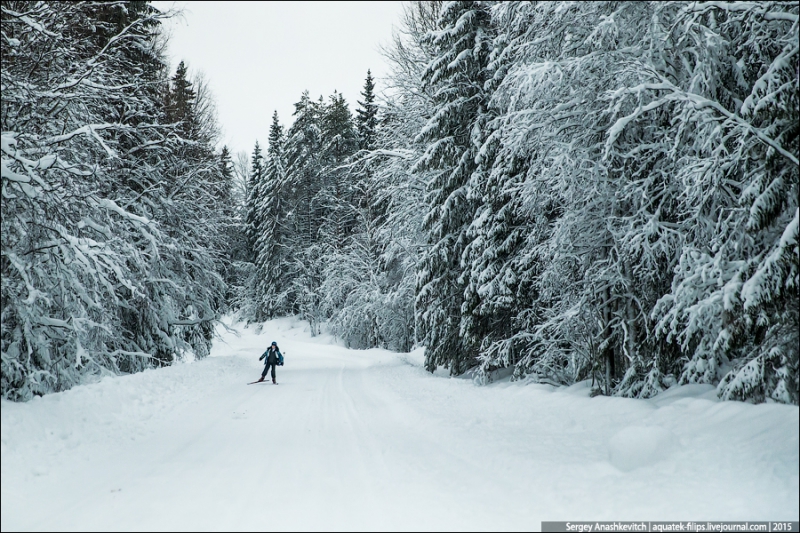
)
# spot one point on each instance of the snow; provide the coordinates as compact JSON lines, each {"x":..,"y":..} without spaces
{"x":369,"y":440}
{"x":111,"y":205}
{"x":638,"y":446}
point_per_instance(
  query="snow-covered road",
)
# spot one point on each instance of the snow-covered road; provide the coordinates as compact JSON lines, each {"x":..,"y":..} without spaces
{"x":369,"y":440}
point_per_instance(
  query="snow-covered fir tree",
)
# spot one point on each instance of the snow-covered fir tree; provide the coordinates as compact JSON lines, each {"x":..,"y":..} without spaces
{"x":304,"y":212}
{"x":453,"y":136}
{"x":367,"y":115}
{"x":271,"y":253}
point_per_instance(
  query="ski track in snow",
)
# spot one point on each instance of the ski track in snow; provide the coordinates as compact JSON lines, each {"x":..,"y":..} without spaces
{"x":361,"y":440}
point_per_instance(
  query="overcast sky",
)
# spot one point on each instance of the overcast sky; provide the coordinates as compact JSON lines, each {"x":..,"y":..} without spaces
{"x":260,"y":56}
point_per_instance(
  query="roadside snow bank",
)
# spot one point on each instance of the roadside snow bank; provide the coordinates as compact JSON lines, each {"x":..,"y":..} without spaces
{"x":637,"y":446}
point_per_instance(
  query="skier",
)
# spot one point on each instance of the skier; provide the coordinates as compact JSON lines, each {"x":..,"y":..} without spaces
{"x":273,"y":357}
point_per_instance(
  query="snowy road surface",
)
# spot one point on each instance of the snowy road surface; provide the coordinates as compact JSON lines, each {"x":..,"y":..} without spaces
{"x":369,"y":440}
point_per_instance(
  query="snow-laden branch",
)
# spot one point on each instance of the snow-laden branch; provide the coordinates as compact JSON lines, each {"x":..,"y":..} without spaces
{"x":93,"y":62}
{"x":760,"y":8}
{"x":24,"y":18}
{"x":698,"y":101}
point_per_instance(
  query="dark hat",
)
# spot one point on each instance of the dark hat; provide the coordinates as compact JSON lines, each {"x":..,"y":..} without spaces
{"x":274,"y":343}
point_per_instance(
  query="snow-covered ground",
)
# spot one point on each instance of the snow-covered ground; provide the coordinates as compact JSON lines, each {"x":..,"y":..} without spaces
{"x":368,"y":440}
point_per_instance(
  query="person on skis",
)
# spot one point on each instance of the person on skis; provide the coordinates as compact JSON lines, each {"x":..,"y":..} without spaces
{"x":273,"y":356}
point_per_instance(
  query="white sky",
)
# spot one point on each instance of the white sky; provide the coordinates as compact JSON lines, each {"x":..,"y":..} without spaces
{"x":260,"y":56}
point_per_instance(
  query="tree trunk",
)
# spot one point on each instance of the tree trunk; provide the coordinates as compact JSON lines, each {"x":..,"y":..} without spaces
{"x":608,"y":352}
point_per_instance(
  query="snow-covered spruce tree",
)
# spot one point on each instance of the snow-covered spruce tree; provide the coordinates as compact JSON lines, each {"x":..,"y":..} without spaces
{"x":180,"y":100}
{"x":255,"y":179}
{"x":367,"y":115}
{"x":453,"y":136}
{"x":337,"y":195}
{"x":232,"y":231}
{"x":303,"y":168}
{"x":236,"y":268}
{"x":339,"y":141}
{"x":252,"y":306}
{"x":271,"y":253}
{"x":304,"y":211}
{"x":89,"y":281}
{"x":732,"y":78}
{"x":495,"y":295}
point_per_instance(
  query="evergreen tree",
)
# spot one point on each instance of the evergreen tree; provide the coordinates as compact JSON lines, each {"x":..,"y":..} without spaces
{"x":271,"y":250}
{"x":232,"y":234}
{"x":194,"y":214}
{"x":336,"y":195}
{"x":453,"y":137}
{"x":254,"y":195}
{"x":180,"y":101}
{"x":353,"y":287}
{"x":367,"y":115}
{"x":253,"y":303}
{"x":304,"y":209}
{"x":303,"y":170}
{"x":225,"y":175}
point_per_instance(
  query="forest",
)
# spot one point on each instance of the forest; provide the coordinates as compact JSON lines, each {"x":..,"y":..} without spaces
{"x":564,"y":191}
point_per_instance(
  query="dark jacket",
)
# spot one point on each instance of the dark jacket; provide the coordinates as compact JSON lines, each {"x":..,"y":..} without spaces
{"x":271,"y":354}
